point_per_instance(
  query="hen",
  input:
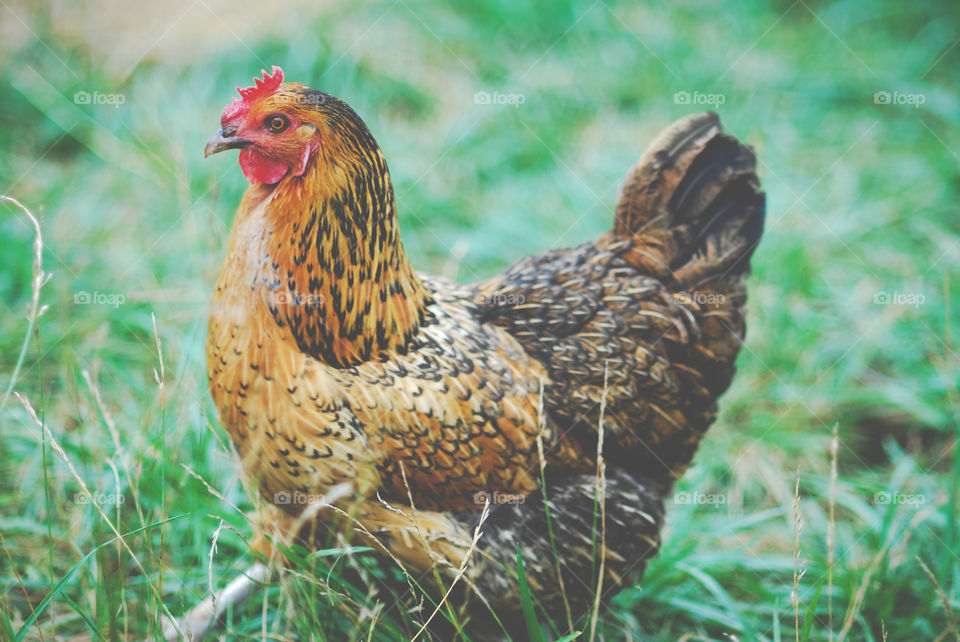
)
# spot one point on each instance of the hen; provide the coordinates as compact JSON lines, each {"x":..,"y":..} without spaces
{"x":346,"y":378}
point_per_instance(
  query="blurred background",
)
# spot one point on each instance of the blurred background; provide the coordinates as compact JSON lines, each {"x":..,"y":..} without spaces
{"x":508,"y":128}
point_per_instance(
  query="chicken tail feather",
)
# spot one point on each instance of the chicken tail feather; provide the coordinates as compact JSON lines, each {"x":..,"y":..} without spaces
{"x":692,"y":204}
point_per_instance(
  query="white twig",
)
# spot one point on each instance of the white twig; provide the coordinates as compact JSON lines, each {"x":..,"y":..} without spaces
{"x":201,"y":618}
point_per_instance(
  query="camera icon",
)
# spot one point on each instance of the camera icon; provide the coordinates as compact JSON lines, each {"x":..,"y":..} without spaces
{"x":681,"y":98}
{"x":281,"y":499}
{"x":481,"y":98}
{"x":881,"y":98}
{"x":681,"y":498}
{"x":882,"y":499}
{"x":82,"y":98}
{"x":882,"y":298}
{"x":81,"y":298}
{"x":481,"y":497}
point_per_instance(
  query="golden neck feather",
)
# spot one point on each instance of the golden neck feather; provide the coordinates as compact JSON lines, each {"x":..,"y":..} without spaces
{"x":335,"y":270}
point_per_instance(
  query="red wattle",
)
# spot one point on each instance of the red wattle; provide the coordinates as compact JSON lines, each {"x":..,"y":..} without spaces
{"x":308,"y":151}
{"x":259,"y":169}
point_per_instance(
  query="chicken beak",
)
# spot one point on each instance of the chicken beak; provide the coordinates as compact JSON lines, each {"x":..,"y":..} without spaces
{"x":220,"y":142}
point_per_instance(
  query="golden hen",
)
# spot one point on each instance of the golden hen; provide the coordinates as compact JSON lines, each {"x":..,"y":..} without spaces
{"x":344,"y":376}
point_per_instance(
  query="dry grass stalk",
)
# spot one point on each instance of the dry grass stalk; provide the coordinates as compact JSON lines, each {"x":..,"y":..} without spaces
{"x":797,"y":571}
{"x":832,"y":525}
{"x":40,"y":279}
{"x":460,"y":571}
{"x":857,"y":600}
{"x":57,"y":448}
{"x":951,"y":622}
{"x":541,"y":419}
{"x":600,"y":493}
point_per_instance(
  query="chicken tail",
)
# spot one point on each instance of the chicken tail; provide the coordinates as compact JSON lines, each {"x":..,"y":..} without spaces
{"x":692,"y":205}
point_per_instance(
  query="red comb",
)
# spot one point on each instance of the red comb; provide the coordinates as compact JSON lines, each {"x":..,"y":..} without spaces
{"x":269,"y":84}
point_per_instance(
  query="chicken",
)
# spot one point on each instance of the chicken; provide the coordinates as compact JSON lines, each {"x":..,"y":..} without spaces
{"x":405,"y":401}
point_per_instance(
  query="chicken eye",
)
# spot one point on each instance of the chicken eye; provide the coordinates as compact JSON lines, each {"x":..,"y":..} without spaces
{"x":277,"y":123}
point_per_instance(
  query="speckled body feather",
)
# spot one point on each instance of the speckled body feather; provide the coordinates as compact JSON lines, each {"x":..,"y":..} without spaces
{"x":333,"y":363}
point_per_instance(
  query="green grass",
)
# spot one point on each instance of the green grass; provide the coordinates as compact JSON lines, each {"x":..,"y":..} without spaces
{"x":862,"y":203}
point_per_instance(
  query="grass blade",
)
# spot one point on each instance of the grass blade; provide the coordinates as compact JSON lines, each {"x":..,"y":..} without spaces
{"x":66,"y":578}
{"x":534,"y":630}
{"x":83,"y":616}
{"x":811,"y":615}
